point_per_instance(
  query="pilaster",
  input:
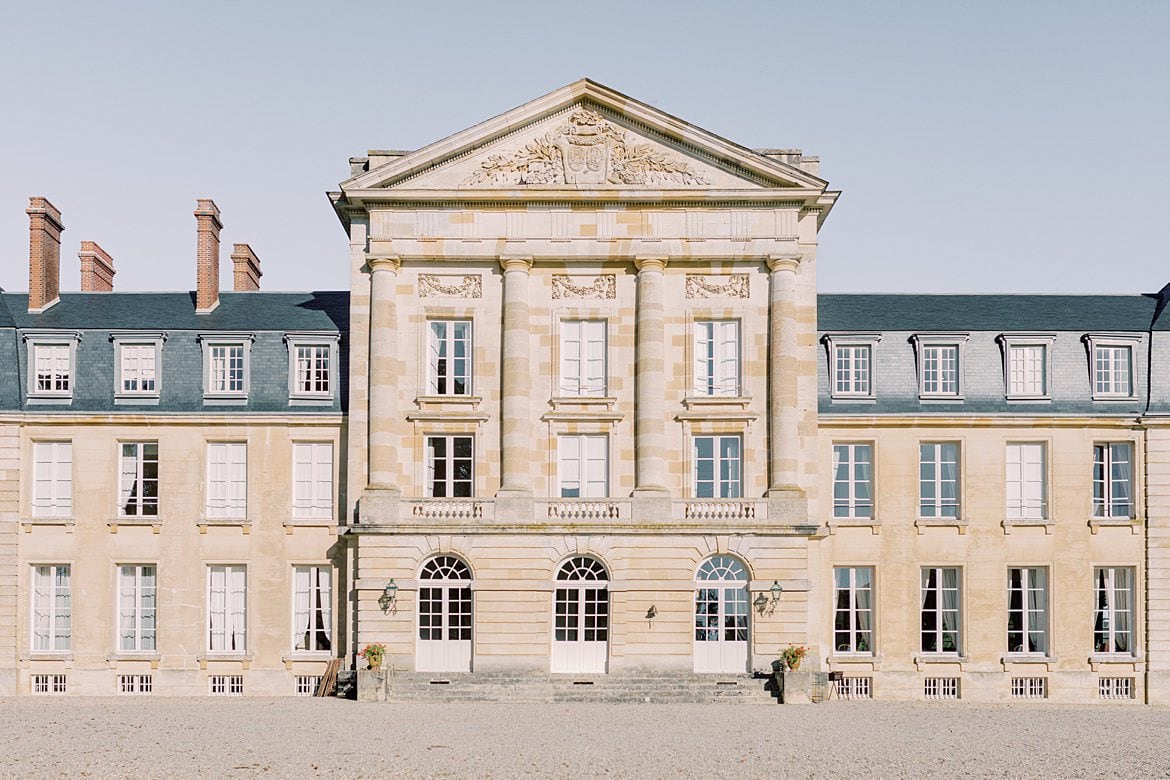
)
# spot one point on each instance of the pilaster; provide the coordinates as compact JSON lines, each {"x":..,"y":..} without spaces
{"x":515,"y":382}
{"x":650,"y":380}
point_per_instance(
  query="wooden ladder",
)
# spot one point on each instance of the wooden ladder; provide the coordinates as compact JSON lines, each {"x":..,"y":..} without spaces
{"x":328,"y":684}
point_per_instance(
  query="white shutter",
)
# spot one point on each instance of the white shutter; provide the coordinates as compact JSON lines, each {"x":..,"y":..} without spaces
{"x":593,"y":357}
{"x":438,"y":333}
{"x":301,"y":611}
{"x":216,"y":479}
{"x":596,"y":474}
{"x":63,"y":479}
{"x":237,"y":471}
{"x":238,"y":603}
{"x":1032,"y":473}
{"x":217,"y":607}
{"x":322,"y":473}
{"x":128,"y":613}
{"x":570,"y":466}
{"x":302,"y":480}
{"x":571,"y":358}
{"x":728,"y":356}
{"x":41,"y":608}
{"x":702,"y":346}
{"x":1015,"y":482}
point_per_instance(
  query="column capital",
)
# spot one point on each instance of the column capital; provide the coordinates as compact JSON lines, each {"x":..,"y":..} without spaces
{"x":784,"y":262}
{"x":383,"y":263}
{"x":516,"y":263}
{"x":651,"y":263}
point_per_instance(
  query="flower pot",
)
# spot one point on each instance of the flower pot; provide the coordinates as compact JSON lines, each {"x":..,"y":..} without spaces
{"x":794,"y":665}
{"x":375,"y":665}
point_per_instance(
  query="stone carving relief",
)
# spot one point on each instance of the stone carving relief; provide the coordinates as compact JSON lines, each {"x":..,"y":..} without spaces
{"x":734,"y":286}
{"x":434,"y":286}
{"x":604,"y":287}
{"x":586,"y":149}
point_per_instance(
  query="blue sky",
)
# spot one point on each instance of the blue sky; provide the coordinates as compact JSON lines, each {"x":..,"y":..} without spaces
{"x":981,"y":147}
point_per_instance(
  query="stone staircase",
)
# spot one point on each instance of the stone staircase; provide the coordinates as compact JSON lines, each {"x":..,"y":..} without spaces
{"x":627,"y":688}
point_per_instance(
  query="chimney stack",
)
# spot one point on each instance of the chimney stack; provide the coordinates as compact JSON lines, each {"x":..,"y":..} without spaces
{"x":97,"y":268}
{"x":246,"y":268}
{"x":207,"y":256}
{"x":44,"y":253}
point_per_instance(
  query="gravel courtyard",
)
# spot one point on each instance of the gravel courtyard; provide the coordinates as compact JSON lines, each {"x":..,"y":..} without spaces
{"x":271,"y":738}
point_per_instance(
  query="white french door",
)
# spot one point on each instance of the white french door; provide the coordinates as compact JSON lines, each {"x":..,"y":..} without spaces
{"x":581,"y":617}
{"x":444,"y":616}
{"x":721,"y":616}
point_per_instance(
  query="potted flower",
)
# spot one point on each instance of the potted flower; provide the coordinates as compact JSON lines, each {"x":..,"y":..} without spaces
{"x":792,"y":656}
{"x":373,"y":654}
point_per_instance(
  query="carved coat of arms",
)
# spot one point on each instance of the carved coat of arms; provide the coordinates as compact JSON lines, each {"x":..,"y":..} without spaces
{"x":585,"y":150}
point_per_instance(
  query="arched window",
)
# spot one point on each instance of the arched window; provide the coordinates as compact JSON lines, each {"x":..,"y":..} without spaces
{"x":444,"y":616}
{"x":581,"y":616}
{"x":721,"y":615}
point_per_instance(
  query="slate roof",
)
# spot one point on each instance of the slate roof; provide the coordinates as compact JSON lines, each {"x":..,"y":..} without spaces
{"x":999,"y":313}
{"x":251,"y":311}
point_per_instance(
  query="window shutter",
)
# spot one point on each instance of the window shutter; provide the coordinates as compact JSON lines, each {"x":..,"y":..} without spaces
{"x":301,"y":626}
{"x":594,"y":357}
{"x":238,"y":582}
{"x":216,"y":607}
{"x":702,"y":358}
{"x":1014,"y":484}
{"x":597,"y":467}
{"x":238,"y":480}
{"x":728,"y":381}
{"x":302,"y":480}
{"x":322,"y":473}
{"x":570,"y":458}
{"x":1033,"y":480}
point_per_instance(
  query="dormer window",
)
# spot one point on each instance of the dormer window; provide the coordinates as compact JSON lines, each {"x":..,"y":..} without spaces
{"x":52,"y":366}
{"x":226,"y":369}
{"x":940,"y":365}
{"x":1027,"y":358}
{"x":1111,"y":366}
{"x":138,"y":364}
{"x":312,"y":367}
{"x":851,"y":364}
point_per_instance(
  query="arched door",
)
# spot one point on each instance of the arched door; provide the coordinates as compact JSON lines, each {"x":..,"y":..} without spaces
{"x":581,"y":617}
{"x":444,"y":616}
{"x":721,"y":615}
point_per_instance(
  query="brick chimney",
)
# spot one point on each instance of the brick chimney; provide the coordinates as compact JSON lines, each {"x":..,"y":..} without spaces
{"x":97,"y":268}
{"x":207,"y":256}
{"x":44,"y":253}
{"x":246,"y":267}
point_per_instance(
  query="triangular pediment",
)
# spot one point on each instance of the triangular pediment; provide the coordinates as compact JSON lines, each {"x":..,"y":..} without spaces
{"x":584,"y":136}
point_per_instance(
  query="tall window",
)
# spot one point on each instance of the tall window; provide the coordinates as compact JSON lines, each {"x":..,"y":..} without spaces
{"x":227,"y":609}
{"x":52,"y":367}
{"x":851,"y":369}
{"x":137,"y":608}
{"x":718,"y":467}
{"x":939,"y":480}
{"x":853,"y":480}
{"x":1113,"y":618}
{"x":583,"y":371}
{"x":52,"y":608}
{"x":940,"y":369}
{"x":313,"y":481}
{"x":450,"y":472}
{"x":1112,"y":370}
{"x":137,"y":371}
{"x":52,"y":494}
{"x":226,"y":368}
{"x":138,"y":484}
{"x":312,"y":608}
{"x":1026,"y":370}
{"x":717,"y":357}
{"x":584,"y":466}
{"x":940,"y":610}
{"x":450,"y":357}
{"x":1028,"y":611}
{"x":227,"y":480}
{"x":853,"y":614}
{"x":312,"y":369}
{"x":1113,"y":480}
{"x":1027,"y":494}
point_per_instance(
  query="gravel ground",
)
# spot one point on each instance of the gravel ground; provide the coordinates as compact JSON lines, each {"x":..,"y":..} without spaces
{"x":160,"y":737}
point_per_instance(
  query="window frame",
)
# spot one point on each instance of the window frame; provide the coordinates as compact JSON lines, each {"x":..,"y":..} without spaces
{"x":1106,"y":465}
{"x":716,"y":380}
{"x":582,"y":460}
{"x":854,"y":629}
{"x":1021,"y":514}
{"x":56,"y":509}
{"x":207,"y":502}
{"x":431,"y":372}
{"x":207,"y":342}
{"x":1012,"y":341}
{"x":852,"y":502}
{"x":938,"y":482}
{"x":1127,"y":341}
{"x":1111,"y":609}
{"x":326,"y":611}
{"x":449,"y":461}
{"x":939,"y":630}
{"x":565,"y":383}
{"x":313,"y":511}
{"x":836,"y":341}
{"x":309,"y":340}
{"x":208,"y":626}
{"x":122,"y":340}
{"x":138,"y":609}
{"x":140,"y":478}
{"x":1027,"y":612}
{"x":35,"y":339}
{"x":53,"y":634}
{"x":924,"y":341}
{"x":717,"y":462}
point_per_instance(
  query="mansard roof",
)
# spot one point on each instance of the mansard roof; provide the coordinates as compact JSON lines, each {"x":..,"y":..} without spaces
{"x":248,"y":311}
{"x":999,"y":313}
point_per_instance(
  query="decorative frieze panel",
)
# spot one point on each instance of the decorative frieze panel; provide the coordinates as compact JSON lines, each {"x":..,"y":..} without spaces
{"x":435,"y":286}
{"x":603,"y":287}
{"x":586,"y":149}
{"x":734,"y":286}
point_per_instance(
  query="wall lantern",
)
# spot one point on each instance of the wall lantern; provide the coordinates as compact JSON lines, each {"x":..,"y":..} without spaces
{"x":777,"y":589}
{"x":390,"y":592}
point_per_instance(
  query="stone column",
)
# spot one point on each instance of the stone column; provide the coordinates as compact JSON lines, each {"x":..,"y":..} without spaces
{"x":783,"y":370}
{"x":650,"y":382}
{"x":383,"y":388}
{"x":516,"y":382}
